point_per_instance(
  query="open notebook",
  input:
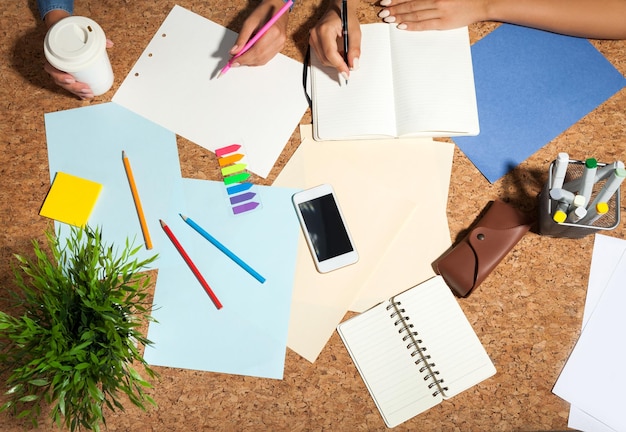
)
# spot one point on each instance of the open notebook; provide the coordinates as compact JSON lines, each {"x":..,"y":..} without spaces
{"x":407,"y":84}
{"x":415,"y":350}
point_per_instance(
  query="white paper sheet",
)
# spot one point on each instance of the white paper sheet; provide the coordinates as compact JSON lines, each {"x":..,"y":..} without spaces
{"x":593,"y":379}
{"x":174,"y":84}
{"x":607,"y":252}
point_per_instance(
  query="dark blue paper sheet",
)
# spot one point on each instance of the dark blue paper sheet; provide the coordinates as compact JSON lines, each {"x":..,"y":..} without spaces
{"x":532,"y":85}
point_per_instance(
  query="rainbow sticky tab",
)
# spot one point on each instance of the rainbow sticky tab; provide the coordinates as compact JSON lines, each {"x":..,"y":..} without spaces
{"x":242,"y":195}
{"x":70,"y":199}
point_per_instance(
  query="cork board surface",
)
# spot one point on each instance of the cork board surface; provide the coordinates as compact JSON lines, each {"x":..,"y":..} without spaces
{"x":527,"y":313}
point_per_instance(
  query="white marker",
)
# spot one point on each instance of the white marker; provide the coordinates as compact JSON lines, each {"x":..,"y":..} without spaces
{"x":559,"y":194}
{"x":601,"y":174}
{"x":596,"y":213}
{"x":568,"y":197}
{"x":609,"y":188}
{"x":588,"y":178}
{"x":576,"y":215}
{"x":560,"y":168}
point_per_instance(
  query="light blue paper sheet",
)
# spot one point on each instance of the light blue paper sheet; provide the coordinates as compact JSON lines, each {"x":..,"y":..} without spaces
{"x":88,"y":142}
{"x":248,"y":336}
{"x":531,"y":86}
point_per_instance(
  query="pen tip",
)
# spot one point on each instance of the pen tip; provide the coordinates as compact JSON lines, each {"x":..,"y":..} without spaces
{"x":161,"y":222}
{"x":183,"y":216}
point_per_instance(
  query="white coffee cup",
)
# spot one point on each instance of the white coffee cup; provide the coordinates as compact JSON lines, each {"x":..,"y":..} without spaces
{"x":77,"y":45}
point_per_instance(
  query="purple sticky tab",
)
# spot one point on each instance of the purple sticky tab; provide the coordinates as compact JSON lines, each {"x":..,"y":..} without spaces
{"x":242,"y":197}
{"x":245,"y":207}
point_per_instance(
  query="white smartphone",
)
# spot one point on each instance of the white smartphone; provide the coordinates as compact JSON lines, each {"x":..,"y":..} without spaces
{"x":325,"y":228}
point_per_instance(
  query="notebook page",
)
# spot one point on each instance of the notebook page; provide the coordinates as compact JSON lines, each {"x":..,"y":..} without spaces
{"x":600,"y":347}
{"x":386,"y":365}
{"x":364,"y":106}
{"x":434,"y":82}
{"x":447,"y":335}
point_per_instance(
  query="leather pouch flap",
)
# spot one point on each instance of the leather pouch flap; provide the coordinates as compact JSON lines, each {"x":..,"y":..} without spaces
{"x":466,"y":265}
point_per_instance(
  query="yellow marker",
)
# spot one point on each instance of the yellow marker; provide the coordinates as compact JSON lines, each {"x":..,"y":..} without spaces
{"x":602,"y":208}
{"x":70,"y":199}
{"x":560,"y":214}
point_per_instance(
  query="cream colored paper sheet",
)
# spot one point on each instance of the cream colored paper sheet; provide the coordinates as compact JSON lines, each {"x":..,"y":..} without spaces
{"x":379,"y":191}
{"x":425,"y":234}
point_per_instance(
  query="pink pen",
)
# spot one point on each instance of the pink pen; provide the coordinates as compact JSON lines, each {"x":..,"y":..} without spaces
{"x":257,"y":36}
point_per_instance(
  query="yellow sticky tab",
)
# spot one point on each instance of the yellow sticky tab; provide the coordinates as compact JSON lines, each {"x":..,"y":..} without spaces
{"x":70,"y":199}
{"x":234,"y":169}
{"x":559,"y":216}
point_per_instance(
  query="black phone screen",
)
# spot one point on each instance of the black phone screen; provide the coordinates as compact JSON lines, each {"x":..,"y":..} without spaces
{"x":325,"y":227}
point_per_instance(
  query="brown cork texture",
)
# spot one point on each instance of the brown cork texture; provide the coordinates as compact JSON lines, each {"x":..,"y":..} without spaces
{"x":527,"y":313}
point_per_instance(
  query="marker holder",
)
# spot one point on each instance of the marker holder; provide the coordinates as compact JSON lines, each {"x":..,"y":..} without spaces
{"x":547,"y":225}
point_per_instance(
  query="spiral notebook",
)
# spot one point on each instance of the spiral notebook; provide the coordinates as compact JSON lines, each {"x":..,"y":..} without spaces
{"x":415,"y":350}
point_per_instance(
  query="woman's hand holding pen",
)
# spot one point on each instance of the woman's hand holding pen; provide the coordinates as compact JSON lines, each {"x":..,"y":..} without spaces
{"x":270,"y":44}
{"x":326,"y":36}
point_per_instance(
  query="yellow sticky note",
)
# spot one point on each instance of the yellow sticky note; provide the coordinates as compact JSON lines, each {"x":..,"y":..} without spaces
{"x":70,"y":199}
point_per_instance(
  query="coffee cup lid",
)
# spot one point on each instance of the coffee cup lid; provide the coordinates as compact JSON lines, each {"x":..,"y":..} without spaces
{"x":74,"y":43}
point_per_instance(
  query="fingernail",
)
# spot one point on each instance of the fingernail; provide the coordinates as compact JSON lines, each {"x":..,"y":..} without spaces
{"x":390,"y":19}
{"x":69,"y":80}
{"x":236,"y":64}
{"x":385,"y":2}
{"x":343,"y":77}
{"x":402,"y":26}
{"x":234,"y":49}
{"x":383,"y":13}
{"x":355,"y":63}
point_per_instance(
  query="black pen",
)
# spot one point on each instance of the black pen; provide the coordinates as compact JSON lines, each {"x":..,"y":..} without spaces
{"x":344,"y":27}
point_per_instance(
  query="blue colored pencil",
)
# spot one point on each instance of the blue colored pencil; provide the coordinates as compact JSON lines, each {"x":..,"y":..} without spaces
{"x":223,"y":248}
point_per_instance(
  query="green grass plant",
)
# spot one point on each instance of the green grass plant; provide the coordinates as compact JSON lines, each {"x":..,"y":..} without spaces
{"x":72,"y":344}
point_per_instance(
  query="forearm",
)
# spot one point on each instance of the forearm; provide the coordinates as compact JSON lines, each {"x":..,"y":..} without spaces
{"x":599,"y":19}
{"x":55,"y":6}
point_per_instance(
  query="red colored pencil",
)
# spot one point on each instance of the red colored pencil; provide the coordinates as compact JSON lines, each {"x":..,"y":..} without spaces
{"x":191,"y":265}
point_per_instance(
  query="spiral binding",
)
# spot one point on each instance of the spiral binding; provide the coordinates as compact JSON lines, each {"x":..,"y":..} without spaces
{"x":414,"y":344}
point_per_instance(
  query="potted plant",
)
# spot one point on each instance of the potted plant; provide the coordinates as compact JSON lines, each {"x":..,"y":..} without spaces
{"x":73,"y":340}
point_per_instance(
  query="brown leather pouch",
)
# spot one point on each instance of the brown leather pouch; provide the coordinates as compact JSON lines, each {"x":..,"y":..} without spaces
{"x":467,"y":264}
